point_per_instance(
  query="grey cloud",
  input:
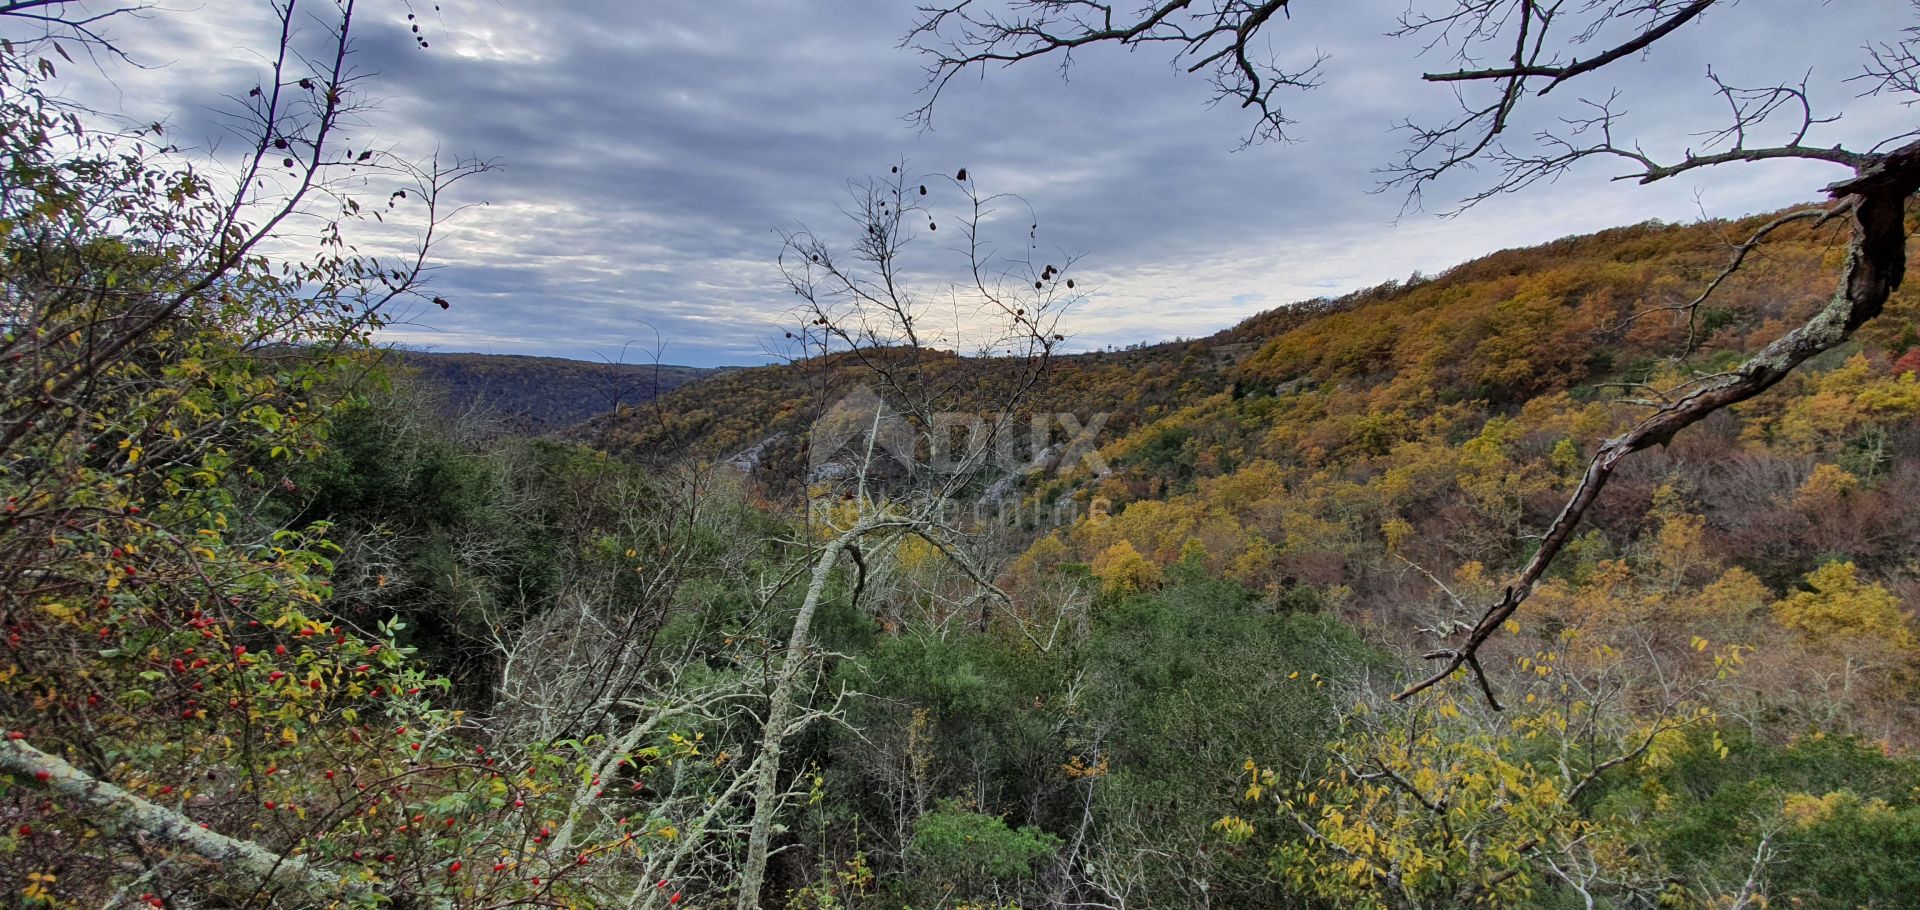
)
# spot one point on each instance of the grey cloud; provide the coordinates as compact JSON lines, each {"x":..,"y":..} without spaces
{"x":652,"y":151}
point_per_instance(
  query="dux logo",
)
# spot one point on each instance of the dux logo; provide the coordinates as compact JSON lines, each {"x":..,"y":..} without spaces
{"x":862,"y":431}
{"x":839,"y":442}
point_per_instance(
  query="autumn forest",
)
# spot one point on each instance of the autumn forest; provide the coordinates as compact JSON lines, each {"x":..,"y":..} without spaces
{"x":1583,"y":574}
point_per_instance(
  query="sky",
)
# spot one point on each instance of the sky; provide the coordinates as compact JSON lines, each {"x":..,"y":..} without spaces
{"x":651,"y":154}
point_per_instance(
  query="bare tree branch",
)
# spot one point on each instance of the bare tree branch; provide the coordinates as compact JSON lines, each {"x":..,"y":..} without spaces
{"x":244,"y":861}
{"x":1217,"y":39}
{"x":1876,"y":264}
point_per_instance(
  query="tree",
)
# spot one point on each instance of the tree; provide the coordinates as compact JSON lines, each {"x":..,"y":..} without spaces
{"x":889,"y":463}
{"x":1447,"y":803}
{"x":183,"y":716}
{"x":1510,"y":55}
{"x":978,"y":856}
{"x":1840,"y":607}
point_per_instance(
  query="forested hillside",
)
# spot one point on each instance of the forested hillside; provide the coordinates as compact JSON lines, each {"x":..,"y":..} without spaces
{"x":765,"y":412}
{"x":1380,"y":459}
{"x":539,"y":394}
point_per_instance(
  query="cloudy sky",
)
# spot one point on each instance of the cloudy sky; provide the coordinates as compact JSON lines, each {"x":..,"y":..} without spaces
{"x":652,"y":152}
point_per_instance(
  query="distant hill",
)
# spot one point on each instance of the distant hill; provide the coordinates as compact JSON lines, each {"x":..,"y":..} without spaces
{"x":541,"y":394}
{"x":1318,"y":382}
{"x":757,"y":417}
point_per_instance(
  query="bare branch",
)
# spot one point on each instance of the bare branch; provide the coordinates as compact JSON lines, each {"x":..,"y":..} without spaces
{"x":1218,"y":41}
{"x":1876,"y":264}
{"x":1741,"y":251}
{"x":1894,"y":67}
{"x":244,"y":861}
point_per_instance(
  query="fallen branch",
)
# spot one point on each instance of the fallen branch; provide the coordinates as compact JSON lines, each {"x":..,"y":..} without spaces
{"x":242,"y":861}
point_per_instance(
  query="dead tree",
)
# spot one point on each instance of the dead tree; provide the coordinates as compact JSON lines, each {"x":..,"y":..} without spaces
{"x":930,"y":428}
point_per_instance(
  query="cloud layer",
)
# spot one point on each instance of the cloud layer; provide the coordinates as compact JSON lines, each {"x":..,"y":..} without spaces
{"x":652,"y":152}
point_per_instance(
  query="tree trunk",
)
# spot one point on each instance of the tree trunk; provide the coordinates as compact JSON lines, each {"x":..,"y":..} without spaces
{"x":779,"y":715}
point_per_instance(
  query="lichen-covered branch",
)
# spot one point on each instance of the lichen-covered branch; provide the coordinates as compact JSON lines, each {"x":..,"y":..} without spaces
{"x":246,"y":863}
